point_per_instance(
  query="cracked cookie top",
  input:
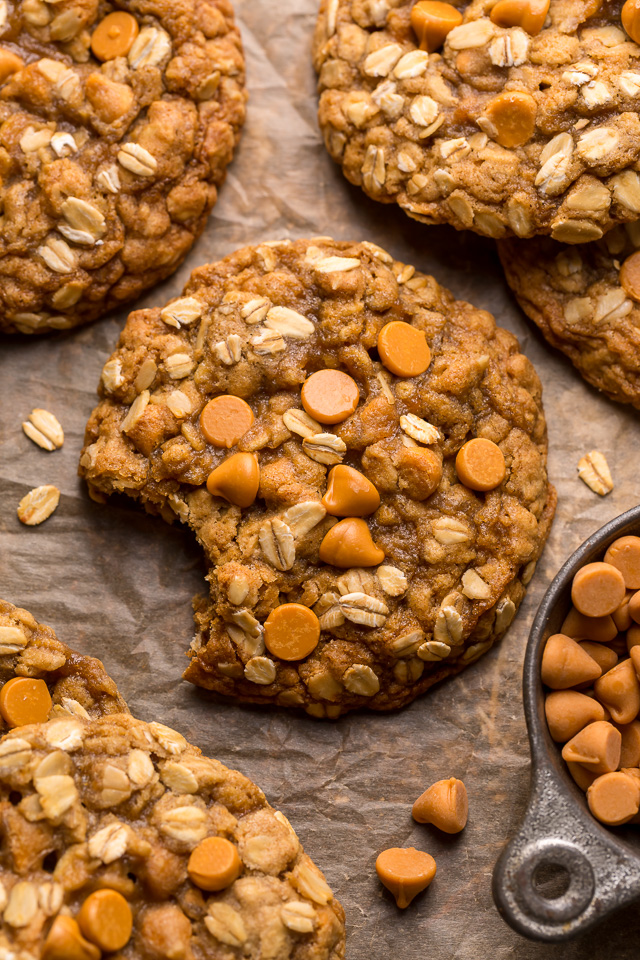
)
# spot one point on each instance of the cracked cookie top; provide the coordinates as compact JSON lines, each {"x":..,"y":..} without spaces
{"x":42,"y":678}
{"x":117,"y":123}
{"x":350,"y":564}
{"x":118,"y":836}
{"x":586,"y":301}
{"x":511,"y":118}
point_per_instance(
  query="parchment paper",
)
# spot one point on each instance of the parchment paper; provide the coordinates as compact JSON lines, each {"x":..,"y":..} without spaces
{"x":118,"y":584}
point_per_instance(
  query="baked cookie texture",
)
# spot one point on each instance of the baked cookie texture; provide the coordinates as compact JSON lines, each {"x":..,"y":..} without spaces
{"x":110,"y":164}
{"x":117,"y":804}
{"x":455,"y":562}
{"x":78,"y":685}
{"x":575,"y":295}
{"x":501,"y":132}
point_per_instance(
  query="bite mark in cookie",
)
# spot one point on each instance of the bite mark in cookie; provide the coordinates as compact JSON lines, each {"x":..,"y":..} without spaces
{"x":42,"y":678}
{"x":359,"y":514}
{"x":120,"y":836}
{"x":117,"y":126}
{"x":510,"y":119}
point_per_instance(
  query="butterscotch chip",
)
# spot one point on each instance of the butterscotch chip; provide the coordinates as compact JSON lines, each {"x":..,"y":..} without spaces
{"x":622,"y":616}
{"x":598,"y":589}
{"x":405,"y":872}
{"x":597,"y":747}
{"x":630,"y":749}
{"x":291,"y":631}
{"x":528,"y":14}
{"x":363,"y":521}
{"x":237,"y":479}
{"x":565,"y":664}
{"x":62,"y":682}
{"x":614,"y":798}
{"x":349,"y":493}
{"x":432,"y":20}
{"x":203,"y":864}
{"x":350,"y":544}
{"x":604,"y":656}
{"x":619,"y":691}
{"x":513,"y":115}
{"x":225,"y":420}
{"x":624,"y":554}
{"x":630,"y":276}
{"x":24,"y":700}
{"x":480,"y":464}
{"x":114,"y":36}
{"x":9,"y":63}
{"x":403,"y":349}
{"x":580,"y":627}
{"x":330,"y":396}
{"x":65,"y":942}
{"x":568,"y":711}
{"x":583,"y":777}
{"x":630,"y":16}
{"x":633,"y":607}
{"x":214,"y":864}
{"x":444,"y":804}
{"x":106,"y":919}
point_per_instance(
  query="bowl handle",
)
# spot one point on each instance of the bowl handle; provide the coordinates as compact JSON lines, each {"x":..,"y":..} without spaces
{"x":600,"y":877}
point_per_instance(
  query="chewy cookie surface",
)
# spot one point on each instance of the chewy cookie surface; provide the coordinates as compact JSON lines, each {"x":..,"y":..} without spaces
{"x":399,"y":573}
{"x":522,"y":120}
{"x":42,"y":678}
{"x":115,"y":837}
{"x":585,"y":299}
{"x":117,"y":123}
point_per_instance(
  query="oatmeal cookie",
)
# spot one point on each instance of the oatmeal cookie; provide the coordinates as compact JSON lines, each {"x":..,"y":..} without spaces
{"x":306,"y":408}
{"x":117,"y":123}
{"x":118,"y":836}
{"x":516,"y":117}
{"x":586,"y":302}
{"x":39,"y":673}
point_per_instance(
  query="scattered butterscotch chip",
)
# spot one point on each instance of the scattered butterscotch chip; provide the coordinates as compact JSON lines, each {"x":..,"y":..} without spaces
{"x":236,"y":479}
{"x":350,"y":544}
{"x":528,"y":14}
{"x":225,"y":420}
{"x":431,"y":21}
{"x":629,"y":275}
{"x":569,"y":711}
{"x":404,"y":349}
{"x":349,"y":493}
{"x":614,"y":798}
{"x":106,"y":919}
{"x":291,"y":631}
{"x":565,"y":664}
{"x":65,"y":942}
{"x":630,"y":17}
{"x":24,"y":700}
{"x":405,"y":872}
{"x":597,"y":747}
{"x":444,"y":804}
{"x":330,"y":396}
{"x":44,"y":429}
{"x":38,"y":505}
{"x":593,"y":470}
{"x":598,"y":589}
{"x":480,"y":464}
{"x":114,"y":36}
{"x":624,"y":553}
{"x":619,"y":691}
{"x":214,"y":864}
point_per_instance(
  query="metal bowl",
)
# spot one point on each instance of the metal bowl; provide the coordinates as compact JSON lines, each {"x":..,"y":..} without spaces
{"x":600,"y":865}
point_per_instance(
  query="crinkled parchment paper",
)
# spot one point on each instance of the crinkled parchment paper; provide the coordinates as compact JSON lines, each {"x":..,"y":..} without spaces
{"x":118,"y":584}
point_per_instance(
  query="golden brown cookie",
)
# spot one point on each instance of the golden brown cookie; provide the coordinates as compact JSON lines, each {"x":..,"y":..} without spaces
{"x":117,"y":123}
{"x":41,"y":677}
{"x":350,"y":565}
{"x":118,"y":836}
{"x":512,"y":118}
{"x":586,"y":303}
